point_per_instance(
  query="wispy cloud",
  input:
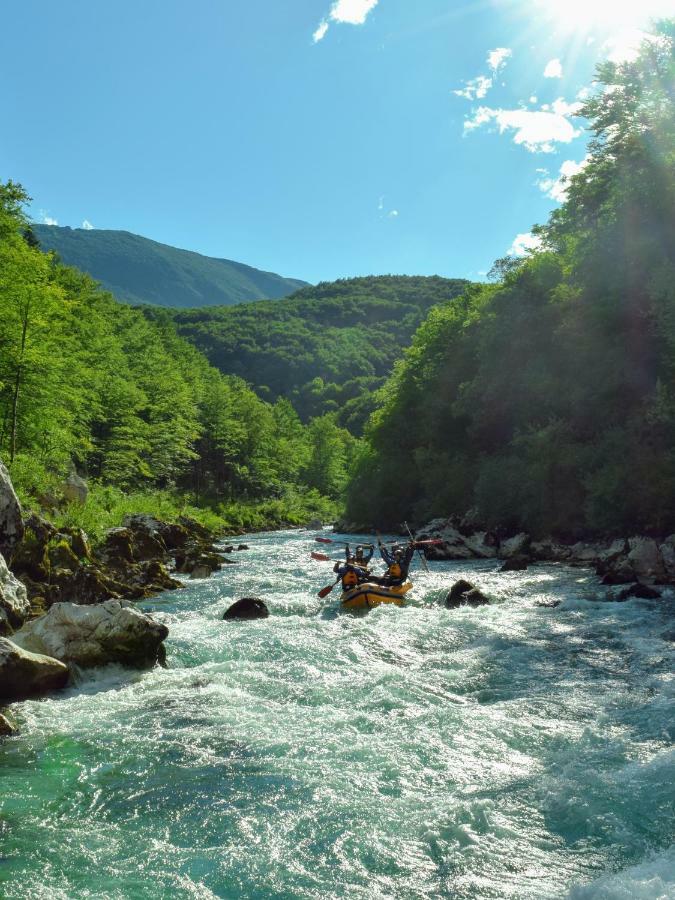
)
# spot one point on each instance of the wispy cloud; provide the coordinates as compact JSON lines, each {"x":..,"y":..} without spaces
{"x":497,"y":57}
{"x":537,"y":130}
{"x":351,"y":12}
{"x":523,"y":244}
{"x":394,"y":214}
{"x":47,"y":219}
{"x":477,"y":88}
{"x":553,"y":69}
{"x":87,"y":225}
{"x":556,"y":188}
{"x":320,"y":32}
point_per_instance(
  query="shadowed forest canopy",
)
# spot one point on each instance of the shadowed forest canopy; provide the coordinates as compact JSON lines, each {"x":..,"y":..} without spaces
{"x":326,"y":348}
{"x":547,"y":401}
{"x":87,"y":381}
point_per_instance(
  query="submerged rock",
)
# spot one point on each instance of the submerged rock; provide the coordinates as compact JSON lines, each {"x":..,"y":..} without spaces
{"x":14,"y":605}
{"x":24,"y":673}
{"x":515,"y":564}
{"x":464,"y":593}
{"x":641,"y":591}
{"x":11,"y":523}
{"x":247,"y":608}
{"x":88,"y":636}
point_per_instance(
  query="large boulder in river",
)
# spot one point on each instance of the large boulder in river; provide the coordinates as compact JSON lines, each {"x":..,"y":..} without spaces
{"x":247,"y":608}
{"x":88,"y":636}
{"x":14,"y":605}
{"x":515,"y":564}
{"x":464,"y":593}
{"x":11,"y":523}
{"x":23,"y":673}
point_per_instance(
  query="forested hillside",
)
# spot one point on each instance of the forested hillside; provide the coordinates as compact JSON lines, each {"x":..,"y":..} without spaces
{"x":326,"y":348}
{"x":547,"y":400}
{"x":88,"y":382}
{"x":138,"y":270}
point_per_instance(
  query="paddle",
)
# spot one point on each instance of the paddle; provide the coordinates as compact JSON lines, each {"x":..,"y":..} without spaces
{"x":320,"y":556}
{"x":419,"y":552}
{"x":324,"y":592}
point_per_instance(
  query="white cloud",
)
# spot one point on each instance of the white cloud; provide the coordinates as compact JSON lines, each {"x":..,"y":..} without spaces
{"x":497,"y":57}
{"x":393,"y":214}
{"x":47,"y":220}
{"x":87,"y":225}
{"x":553,"y":69}
{"x":477,"y":88}
{"x":320,"y":32}
{"x":556,"y":188}
{"x":523,"y":244}
{"x":352,"y":12}
{"x":537,"y":130}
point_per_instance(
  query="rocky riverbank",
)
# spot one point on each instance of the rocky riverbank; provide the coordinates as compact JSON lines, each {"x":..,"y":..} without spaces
{"x":641,"y":564}
{"x":65,"y":605}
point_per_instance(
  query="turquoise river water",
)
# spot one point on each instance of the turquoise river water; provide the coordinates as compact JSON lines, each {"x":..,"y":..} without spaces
{"x":511,"y":751}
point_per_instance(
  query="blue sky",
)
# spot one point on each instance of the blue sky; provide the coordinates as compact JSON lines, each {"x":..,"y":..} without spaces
{"x":312,"y":138}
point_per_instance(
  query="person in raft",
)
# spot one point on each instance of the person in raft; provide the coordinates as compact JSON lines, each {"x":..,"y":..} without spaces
{"x":361,"y":558}
{"x":398,"y":562}
{"x":353,"y":571}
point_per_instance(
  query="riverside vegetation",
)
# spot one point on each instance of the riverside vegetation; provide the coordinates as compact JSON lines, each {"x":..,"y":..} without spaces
{"x":546,"y":401}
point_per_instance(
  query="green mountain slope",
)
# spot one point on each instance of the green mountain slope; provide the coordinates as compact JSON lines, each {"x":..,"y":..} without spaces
{"x":326,"y":348}
{"x":138,"y":270}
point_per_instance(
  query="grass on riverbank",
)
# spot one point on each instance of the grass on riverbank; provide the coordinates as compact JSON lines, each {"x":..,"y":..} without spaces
{"x":106,"y":506}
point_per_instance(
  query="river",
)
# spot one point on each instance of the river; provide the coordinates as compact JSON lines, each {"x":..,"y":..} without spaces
{"x":519,"y":750}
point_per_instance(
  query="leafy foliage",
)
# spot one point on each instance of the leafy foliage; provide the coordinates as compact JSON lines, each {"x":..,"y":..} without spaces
{"x":547,"y":400}
{"x":87,"y":381}
{"x":326,"y":348}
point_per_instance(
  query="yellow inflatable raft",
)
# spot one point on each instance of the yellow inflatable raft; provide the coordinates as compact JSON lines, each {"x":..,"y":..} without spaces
{"x":367,"y":595}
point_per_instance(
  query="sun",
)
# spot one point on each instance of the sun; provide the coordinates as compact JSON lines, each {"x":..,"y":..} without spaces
{"x":606,"y":16}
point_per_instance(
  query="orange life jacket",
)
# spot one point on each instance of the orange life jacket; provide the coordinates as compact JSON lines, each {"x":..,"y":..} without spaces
{"x":350,"y":579}
{"x":395,"y":571}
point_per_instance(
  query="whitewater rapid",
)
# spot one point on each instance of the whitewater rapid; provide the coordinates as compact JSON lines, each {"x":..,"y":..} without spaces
{"x":519,"y":750}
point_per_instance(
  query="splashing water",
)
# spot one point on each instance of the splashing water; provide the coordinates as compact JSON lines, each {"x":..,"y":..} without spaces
{"x":510,"y":751}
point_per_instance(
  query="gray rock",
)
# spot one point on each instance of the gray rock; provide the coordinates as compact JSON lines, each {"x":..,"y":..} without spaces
{"x":23,"y":673}
{"x":11,"y":523}
{"x":549,"y":550}
{"x":247,"y":608}
{"x":201,"y":570}
{"x":14,"y":605}
{"x":75,"y":489}
{"x":667,"y":551}
{"x":88,"y":636}
{"x":518,"y":545}
{"x":645,"y":558}
{"x":7,"y":726}
{"x":482,"y":544}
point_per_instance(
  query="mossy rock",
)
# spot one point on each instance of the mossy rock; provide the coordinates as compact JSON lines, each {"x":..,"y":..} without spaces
{"x":61,"y":556}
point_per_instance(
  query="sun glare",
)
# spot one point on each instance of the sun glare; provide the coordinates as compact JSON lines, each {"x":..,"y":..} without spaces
{"x":609,"y":16}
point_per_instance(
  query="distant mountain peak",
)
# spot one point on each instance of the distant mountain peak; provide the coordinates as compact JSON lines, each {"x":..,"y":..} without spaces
{"x":138,"y":270}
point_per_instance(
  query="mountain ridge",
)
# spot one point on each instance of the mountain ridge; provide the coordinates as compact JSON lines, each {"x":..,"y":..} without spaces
{"x":139,"y":270}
